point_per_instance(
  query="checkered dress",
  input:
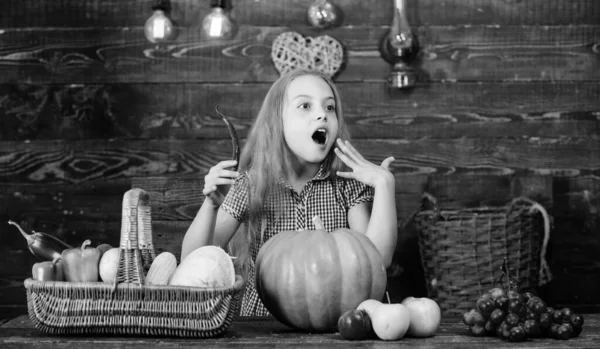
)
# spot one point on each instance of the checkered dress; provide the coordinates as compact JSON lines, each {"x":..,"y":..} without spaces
{"x":324,"y":196}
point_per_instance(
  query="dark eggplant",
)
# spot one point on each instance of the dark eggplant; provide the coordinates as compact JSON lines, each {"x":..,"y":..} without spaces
{"x":235,"y":155}
{"x":44,"y":246}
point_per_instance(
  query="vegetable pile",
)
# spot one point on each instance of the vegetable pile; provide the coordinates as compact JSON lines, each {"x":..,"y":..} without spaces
{"x":207,"y":266}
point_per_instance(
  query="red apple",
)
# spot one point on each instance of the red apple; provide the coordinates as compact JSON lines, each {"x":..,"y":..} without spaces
{"x":425,"y":316}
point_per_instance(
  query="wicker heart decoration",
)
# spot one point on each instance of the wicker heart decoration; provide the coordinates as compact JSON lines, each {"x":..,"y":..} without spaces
{"x":291,"y":51}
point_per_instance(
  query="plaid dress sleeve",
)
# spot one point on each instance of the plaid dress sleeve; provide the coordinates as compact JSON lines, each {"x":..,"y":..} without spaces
{"x":356,"y":193}
{"x":236,"y":200}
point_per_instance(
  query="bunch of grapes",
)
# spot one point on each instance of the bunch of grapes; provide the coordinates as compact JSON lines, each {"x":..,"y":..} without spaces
{"x":515,"y":316}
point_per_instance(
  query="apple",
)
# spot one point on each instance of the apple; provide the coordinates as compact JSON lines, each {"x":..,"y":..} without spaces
{"x":355,"y":325}
{"x":425,"y":316}
{"x":390,"y":321}
{"x":369,"y":306}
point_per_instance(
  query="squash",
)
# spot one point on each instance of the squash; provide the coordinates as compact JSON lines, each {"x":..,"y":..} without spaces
{"x":161,"y":269}
{"x":109,"y":265}
{"x":207,"y":266}
{"x":308,"y":279}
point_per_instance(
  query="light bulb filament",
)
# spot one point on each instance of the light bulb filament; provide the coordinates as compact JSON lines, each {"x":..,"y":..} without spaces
{"x":216,"y":27}
{"x":158,"y":28}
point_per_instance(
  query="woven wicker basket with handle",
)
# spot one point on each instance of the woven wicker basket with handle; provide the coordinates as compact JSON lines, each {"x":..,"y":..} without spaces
{"x":462,"y":251}
{"x":128,"y":306}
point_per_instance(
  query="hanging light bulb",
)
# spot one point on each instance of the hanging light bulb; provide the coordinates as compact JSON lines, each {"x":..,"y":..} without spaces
{"x":399,"y":47}
{"x":218,"y":24}
{"x":324,"y":14}
{"x":159,"y":28}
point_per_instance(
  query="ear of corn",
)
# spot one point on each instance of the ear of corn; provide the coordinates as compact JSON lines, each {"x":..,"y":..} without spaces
{"x":162,"y":269}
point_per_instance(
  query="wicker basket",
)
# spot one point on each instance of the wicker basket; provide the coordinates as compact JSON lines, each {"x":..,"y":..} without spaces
{"x":462,"y":251}
{"x":128,"y":306}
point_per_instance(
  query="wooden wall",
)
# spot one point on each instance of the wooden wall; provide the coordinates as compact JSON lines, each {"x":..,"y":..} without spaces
{"x":507,"y":104}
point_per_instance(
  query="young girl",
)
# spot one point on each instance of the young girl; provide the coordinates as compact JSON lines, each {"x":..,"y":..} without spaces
{"x":290,"y":171}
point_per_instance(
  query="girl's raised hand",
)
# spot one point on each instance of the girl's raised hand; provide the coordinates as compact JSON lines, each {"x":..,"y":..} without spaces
{"x":363,"y":171}
{"x":218,"y":180}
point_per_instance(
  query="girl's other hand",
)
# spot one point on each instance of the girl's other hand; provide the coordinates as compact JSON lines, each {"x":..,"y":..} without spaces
{"x":363,"y":170}
{"x":218,"y":180}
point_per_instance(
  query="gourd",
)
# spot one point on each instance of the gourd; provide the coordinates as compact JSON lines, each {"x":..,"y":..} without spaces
{"x":161,"y":269}
{"x":207,"y":266}
{"x":308,"y":279}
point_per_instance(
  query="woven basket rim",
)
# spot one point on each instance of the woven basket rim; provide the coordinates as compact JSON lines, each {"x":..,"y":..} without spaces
{"x":518,"y":203}
{"x":481,"y":209}
{"x":30,"y":283}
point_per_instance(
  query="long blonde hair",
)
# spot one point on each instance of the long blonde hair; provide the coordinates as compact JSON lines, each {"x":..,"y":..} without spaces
{"x":266,"y":158}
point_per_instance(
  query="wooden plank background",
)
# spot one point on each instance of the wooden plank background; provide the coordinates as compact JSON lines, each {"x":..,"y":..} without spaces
{"x":507,"y":104}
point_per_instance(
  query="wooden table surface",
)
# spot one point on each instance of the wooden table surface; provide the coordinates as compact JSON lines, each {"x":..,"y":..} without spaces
{"x":267,"y":333}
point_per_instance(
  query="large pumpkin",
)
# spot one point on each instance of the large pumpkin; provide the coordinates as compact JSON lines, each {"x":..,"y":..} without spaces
{"x":308,"y":279}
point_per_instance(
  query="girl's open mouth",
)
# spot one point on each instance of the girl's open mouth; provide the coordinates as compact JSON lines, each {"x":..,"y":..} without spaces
{"x":320,"y":136}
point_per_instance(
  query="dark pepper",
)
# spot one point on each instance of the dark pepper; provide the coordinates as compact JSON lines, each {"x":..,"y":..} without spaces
{"x":43,"y":246}
{"x":48,"y":271}
{"x":81,"y":264}
{"x":235,"y":155}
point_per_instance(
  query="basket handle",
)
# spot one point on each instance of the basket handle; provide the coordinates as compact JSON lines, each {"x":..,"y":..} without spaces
{"x":545,"y":273}
{"x":130,"y":267}
{"x":424,"y":198}
{"x":428,"y":197}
